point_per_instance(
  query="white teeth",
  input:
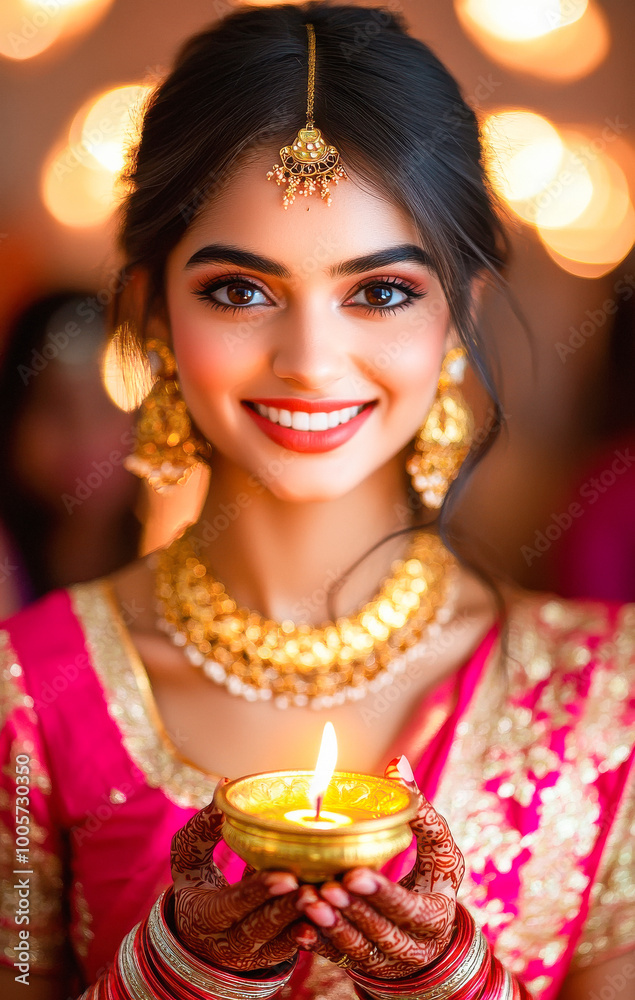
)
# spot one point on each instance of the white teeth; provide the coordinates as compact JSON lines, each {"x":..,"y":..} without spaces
{"x":318,"y":421}
{"x":301,"y":421}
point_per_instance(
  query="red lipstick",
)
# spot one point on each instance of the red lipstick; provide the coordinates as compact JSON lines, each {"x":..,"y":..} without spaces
{"x":305,"y":441}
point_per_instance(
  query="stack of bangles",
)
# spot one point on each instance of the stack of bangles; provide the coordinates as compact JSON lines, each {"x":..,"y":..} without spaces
{"x":466,"y":970}
{"x":152,"y":964}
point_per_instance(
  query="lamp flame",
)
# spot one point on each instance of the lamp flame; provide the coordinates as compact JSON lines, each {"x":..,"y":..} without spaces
{"x":327,"y":759}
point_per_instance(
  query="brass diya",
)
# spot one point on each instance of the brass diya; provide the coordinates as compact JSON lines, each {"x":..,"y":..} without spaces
{"x":362,"y":820}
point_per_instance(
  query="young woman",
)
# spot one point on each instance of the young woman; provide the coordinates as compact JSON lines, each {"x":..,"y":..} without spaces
{"x":312,"y":347}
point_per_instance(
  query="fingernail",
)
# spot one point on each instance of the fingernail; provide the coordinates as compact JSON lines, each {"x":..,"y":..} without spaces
{"x":280,"y":883}
{"x":362,"y":883}
{"x":405,"y":770}
{"x":399,"y":769}
{"x":321,"y":914}
{"x":335,"y":895}
{"x":306,"y":896}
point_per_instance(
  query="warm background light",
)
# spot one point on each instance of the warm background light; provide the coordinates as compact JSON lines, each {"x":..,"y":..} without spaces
{"x":524,"y":152}
{"x":519,"y":20}
{"x":75,"y":192}
{"x":558,"y":41}
{"x":29,"y":27}
{"x":108,"y":125}
{"x":80,"y":181}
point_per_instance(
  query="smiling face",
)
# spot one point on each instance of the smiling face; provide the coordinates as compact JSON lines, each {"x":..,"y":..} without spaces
{"x":307,"y":340}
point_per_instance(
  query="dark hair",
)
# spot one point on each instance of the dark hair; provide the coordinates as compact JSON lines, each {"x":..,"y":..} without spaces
{"x":56,"y":325}
{"x":382,"y":98}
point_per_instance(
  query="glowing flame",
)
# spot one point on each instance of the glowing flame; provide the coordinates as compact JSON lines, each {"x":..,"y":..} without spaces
{"x":327,"y":759}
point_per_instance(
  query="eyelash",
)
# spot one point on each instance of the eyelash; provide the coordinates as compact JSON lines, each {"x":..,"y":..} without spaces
{"x":205,"y":288}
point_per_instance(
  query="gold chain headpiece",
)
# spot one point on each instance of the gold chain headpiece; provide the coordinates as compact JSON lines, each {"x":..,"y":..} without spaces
{"x":309,"y":163}
{"x":303,"y":664}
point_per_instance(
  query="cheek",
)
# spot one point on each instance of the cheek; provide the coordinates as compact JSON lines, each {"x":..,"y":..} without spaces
{"x":213,"y":357}
{"x":407,"y":363}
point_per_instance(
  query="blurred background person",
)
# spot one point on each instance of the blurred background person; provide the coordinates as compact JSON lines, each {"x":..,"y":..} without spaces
{"x":68,"y":508}
{"x":595,"y":556}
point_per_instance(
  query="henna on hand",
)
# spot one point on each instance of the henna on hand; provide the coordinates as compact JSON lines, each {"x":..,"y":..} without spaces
{"x":251,"y":925}
{"x":392,"y":930}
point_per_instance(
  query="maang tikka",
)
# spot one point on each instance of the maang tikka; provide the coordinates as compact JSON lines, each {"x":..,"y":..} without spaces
{"x":309,"y":163}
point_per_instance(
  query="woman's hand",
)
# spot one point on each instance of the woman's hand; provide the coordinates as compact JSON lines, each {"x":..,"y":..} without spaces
{"x":251,"y":925}
{"x":385,"y":929}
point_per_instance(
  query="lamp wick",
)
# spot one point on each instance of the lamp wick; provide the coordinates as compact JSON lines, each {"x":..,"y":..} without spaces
{"x":318,"y":806}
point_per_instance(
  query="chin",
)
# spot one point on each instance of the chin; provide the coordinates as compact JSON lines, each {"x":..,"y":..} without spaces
{"x":310,"y":491}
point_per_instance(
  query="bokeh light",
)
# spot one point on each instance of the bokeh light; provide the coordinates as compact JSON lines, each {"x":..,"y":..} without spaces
{"x":30,"y":27}
{"x":76,"y":193}
{"x":566,"y":184}
{"x":557,"y":40}
{"x":519,"y":20}
{"x":524,"y":152}
{"x":106,"y":126}
{"x":80,"y":180}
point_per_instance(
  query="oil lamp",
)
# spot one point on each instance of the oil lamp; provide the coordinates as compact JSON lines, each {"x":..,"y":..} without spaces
{"x":316,"y":823}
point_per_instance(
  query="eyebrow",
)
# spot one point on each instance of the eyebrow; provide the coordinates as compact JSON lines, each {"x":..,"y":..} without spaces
{"x":218,"y":253}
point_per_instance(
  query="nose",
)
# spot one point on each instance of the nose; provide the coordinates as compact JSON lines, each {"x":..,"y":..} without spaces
{"x":311,"y":353}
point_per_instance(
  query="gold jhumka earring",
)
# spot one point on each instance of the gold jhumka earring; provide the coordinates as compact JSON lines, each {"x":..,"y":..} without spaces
{"x":309,"y":163}
{"x":444,"y":440}
{"x":166,"y":449}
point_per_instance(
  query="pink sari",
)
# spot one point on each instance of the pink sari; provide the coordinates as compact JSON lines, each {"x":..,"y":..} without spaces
{"x":532,"y":766}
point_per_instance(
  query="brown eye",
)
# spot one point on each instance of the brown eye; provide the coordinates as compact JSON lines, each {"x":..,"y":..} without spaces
{"x":378,"y":295}
{"x":239,"y":295}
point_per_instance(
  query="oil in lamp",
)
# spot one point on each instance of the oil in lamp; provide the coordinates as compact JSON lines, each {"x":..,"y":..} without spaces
{"x":316,"y":823}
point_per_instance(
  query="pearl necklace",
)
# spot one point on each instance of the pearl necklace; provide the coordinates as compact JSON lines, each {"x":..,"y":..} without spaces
{"x":301,"y":665}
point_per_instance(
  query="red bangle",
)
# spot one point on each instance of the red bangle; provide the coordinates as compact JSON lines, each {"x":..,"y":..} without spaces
{"x":459,"y":971}
{"x":152,"y":964}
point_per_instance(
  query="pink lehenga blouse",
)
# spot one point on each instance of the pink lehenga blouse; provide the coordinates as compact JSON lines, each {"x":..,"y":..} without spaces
{"x":532,"y":767}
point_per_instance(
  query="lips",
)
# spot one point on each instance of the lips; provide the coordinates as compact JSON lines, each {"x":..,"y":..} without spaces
{"x":309,"y":426}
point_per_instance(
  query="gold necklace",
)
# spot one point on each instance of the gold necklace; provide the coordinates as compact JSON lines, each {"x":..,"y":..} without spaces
{"x":257,"y":658}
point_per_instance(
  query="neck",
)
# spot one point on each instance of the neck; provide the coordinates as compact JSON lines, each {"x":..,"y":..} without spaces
{"x":280,"y":557}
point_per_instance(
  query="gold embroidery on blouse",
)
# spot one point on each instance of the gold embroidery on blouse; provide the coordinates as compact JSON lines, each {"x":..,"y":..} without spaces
{"x":130,"y":701}
{"x":610,"y":925}
{"x":508,"y":744}
{"x":81,"y":930}
{"x":46,"y":888}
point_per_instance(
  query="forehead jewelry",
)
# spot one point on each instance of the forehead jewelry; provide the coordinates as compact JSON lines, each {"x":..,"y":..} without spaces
{"x":309,"y":163}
